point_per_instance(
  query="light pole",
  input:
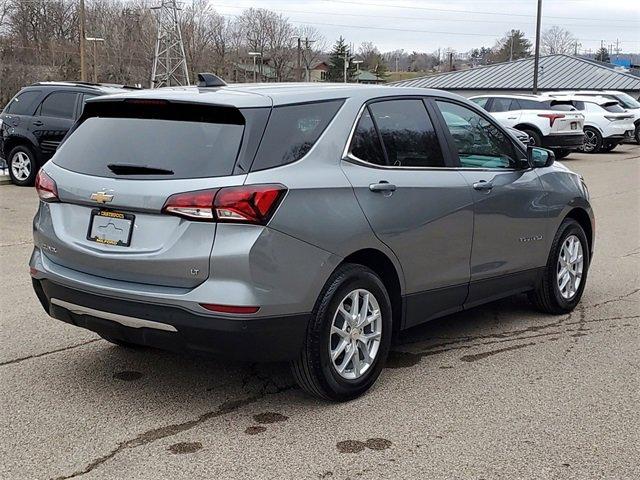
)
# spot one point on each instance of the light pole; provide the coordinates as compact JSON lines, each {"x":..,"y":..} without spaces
{"x":536,"y":58}
{"x":95,"y":41}
{"x":255,"y":55}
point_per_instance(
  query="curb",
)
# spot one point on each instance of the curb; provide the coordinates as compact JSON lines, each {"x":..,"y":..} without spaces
{"x":5,"y":180}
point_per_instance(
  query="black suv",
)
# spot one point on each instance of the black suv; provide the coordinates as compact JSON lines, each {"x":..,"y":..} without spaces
{"x":36,"y":120}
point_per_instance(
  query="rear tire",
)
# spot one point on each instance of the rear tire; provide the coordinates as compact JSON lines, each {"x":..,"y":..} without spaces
{"x":592,"y":140}
{"x":636,"y":134}
{"x":548,"y":296}
{"x":608,"y":147}
{"x":334,"y":338}
{"x":535,"y":140}
{"x":23,"y":166}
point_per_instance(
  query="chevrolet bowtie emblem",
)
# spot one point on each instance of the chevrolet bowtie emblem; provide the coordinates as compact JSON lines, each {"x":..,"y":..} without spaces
{"x":101,"y":197}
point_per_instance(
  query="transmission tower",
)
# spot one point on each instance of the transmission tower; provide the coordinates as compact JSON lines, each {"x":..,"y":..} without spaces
{"x":169,"y":61}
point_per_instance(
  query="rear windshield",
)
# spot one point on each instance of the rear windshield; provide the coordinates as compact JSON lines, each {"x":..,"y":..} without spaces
{"x":151,"y":148}
{"x":613,"y":107}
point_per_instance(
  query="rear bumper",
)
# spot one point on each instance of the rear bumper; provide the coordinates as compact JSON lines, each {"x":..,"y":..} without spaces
{"x":174,"y":328}
{"x":571,"y":142}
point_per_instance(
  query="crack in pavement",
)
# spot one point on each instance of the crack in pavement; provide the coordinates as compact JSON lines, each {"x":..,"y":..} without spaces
{"x":612,"y":300}
{"x":44,"y":354}
{"x":16,"y":244}
{"x":159,"y":433}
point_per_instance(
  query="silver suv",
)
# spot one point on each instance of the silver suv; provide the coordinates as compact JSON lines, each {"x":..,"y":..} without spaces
{"x":300,"y":223}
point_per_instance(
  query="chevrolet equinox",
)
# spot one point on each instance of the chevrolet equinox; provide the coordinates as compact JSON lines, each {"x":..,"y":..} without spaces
{"x":301,"y":223}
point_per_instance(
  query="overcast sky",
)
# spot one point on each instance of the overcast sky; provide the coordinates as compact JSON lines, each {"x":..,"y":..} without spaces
{"x":426,"y":25}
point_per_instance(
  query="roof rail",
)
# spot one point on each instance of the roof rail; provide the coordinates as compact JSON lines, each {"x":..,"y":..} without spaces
{"x":210,"y":80}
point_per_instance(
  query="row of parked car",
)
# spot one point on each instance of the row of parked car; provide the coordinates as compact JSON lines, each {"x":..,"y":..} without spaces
{"x":564,"y":121}
{"x":36,"y":120}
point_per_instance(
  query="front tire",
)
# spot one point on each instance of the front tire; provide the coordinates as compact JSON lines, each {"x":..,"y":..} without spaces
{"x":561,"y":153}
{"x":348,"y":336}
{"x":23,"y":167}
{"x":565,"y":275}
{"x":535,"y":140}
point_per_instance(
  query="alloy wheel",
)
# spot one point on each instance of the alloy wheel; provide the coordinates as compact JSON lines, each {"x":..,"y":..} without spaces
{"x":569,"y":267}
{"x":590,"y":141}
{"x":356,"y":331}
{"x":21,"y":166}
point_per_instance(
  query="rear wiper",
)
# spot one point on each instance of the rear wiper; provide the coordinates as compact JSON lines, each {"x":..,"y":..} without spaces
{"x":132,"y":169}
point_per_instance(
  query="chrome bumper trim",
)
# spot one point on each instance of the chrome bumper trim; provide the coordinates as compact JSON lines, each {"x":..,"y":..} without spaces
{"x":132,"y":322}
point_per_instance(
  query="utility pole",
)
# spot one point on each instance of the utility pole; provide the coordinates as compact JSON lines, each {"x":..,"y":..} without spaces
{"x":345,"y":63}
{"x":536,"y":58}
{"x":169,"y":61}
{"x":511,"y":50}
{"x":307,"y":65}
{"x":95,"y":41}
{"x":81,"y":24}
{"x":299,"y":68}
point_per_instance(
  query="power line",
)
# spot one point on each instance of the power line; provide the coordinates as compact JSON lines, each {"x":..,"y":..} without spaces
{"x":393,"y":29}
{"x":470,"y":12}
{"x":402,"y":17}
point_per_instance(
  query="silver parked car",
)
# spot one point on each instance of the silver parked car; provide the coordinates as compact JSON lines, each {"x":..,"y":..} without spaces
{"x":304,"y":223}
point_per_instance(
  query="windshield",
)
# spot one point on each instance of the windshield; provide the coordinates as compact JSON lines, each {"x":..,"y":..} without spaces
{"x":627,"y":101}
{"x":153,"y":148}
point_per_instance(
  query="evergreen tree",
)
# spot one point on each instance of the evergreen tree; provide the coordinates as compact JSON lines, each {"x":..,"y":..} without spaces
{"x":336,"y":62}
{"x":603,"y":55}
{"x":512,"y":46}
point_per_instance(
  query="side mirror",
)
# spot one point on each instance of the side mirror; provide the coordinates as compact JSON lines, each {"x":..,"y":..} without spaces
{"x":540,"y":157}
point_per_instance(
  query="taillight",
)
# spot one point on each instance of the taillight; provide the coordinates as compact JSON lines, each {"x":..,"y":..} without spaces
{"x":246,"y":204}
{"x":552,"y":117}
{"x":194,"y":205}
{"x":46,"y":187}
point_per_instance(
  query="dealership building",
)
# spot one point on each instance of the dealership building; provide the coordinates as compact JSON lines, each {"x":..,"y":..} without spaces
{"x":556,"y":72}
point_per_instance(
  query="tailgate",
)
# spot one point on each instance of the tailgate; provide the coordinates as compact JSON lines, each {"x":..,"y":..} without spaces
{"x":114,"y":174}
{"x":571,"y":122}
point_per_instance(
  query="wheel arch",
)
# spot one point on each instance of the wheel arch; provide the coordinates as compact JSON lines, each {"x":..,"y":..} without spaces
{"x":384,"y":267}
{"x":528,"y":126}
{"x":18,"y":140}
{"x":581,"y":216}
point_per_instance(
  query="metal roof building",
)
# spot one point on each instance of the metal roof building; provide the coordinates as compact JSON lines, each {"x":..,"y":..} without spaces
{"x":556,"y":72}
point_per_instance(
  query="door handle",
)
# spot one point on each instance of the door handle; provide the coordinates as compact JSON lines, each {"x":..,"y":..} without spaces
{"x":483,"y":186}
{"x":38,"y":123}
{"x":512,"y":118}
{"x":382,"y":186}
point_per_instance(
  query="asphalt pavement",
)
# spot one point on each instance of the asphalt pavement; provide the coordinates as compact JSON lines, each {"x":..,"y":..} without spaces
{"x":499,"y":392}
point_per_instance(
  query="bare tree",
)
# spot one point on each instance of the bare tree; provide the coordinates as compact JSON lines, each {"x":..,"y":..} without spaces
{"x":557,"y":40}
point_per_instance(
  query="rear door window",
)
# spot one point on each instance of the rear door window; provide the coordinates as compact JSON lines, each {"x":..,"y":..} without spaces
{"x":151,"y":148}
{"x":59,"y":104}
{"x":408,"y":135}
{"x":291,"y":132}
{"x":23,"y":103}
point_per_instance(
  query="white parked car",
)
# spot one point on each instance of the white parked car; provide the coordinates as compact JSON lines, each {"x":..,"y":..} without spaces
{"x":627,"y":102}
{"x":547,"y":127}
{"x":606,"y":123}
